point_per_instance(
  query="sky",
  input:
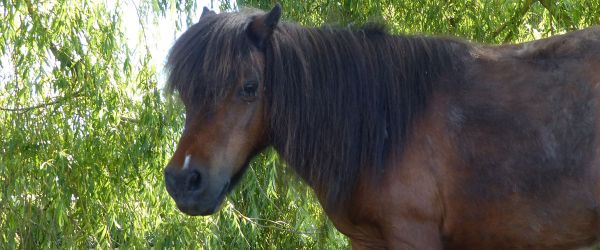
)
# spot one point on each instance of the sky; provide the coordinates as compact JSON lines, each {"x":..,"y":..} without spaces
{"x":159,"y":36}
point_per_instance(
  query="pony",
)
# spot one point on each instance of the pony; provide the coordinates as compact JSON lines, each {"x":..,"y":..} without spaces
{"x":409,"y":142}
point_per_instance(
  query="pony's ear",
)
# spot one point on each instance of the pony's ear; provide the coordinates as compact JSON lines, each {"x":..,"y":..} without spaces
{"x":261,"y":27}
{"x":206,"y":12}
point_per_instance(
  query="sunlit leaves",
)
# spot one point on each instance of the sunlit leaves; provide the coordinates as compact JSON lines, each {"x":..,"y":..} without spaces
{"x":483,"y":21}
{"x":85,"y":128}
{"x":78,"y":174}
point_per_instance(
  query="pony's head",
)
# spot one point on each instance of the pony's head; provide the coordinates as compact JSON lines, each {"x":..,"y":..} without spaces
{"x":217,"y":67}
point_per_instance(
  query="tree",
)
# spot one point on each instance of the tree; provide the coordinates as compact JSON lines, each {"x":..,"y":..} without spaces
{"x":86,"y":132}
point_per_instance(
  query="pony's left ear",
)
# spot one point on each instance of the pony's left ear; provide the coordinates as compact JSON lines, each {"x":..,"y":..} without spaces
{"x":261,"y":27}
{"x":206,"y":12}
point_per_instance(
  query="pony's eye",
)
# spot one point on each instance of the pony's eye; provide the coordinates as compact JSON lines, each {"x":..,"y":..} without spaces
{"x":249,"y":89}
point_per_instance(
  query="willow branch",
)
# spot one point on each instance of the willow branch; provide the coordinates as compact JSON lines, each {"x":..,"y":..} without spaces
{"x":518,"y":17}
{"x":561,"y":17}
{"x":43,"y":105}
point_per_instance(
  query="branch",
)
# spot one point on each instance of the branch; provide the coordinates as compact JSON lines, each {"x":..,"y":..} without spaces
{"x":277,"y":224}
{"x":559,"y":16}
{"x":518,"y":17}
{"x":43,"y":105}
{"x":129,"y":119}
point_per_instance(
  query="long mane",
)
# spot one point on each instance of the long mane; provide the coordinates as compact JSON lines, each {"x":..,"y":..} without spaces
{"x":341,"y":101}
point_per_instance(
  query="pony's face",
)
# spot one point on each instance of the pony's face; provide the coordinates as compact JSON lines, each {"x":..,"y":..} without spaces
{"x":216,"y":147}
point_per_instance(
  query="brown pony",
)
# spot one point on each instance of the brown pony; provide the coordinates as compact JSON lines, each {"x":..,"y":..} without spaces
{"x":409,"y":142}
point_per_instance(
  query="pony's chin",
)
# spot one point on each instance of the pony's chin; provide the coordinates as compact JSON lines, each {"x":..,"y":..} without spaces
{"x":194,"y":205}
{"x":196,"y":211}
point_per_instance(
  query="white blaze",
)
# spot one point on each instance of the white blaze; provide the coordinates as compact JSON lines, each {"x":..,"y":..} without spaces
{"x":186,"y":163}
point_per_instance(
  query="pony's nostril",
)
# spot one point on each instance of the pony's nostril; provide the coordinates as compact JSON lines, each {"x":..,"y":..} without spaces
{"x":194,"y":180}
{"x":171,"y":182}
{"x":170,"y":178}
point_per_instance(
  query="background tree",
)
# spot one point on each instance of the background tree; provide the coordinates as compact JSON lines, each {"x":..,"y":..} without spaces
{"x":85,"y":128}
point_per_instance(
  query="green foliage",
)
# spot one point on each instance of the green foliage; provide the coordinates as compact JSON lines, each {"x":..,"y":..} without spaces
{"x":86,"y":130}
{"x":490,"y":21}
{"x":83,"y":130}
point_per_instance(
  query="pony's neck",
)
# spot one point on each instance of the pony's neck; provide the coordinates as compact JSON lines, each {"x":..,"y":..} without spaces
{"x":341,"y":100}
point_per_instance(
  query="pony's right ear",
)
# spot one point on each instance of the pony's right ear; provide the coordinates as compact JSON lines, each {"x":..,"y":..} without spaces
{"x":261,"y":27}
{"x":206,"y":12}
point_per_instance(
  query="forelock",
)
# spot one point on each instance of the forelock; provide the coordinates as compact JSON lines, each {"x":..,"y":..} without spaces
{"x":205,"y":61}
